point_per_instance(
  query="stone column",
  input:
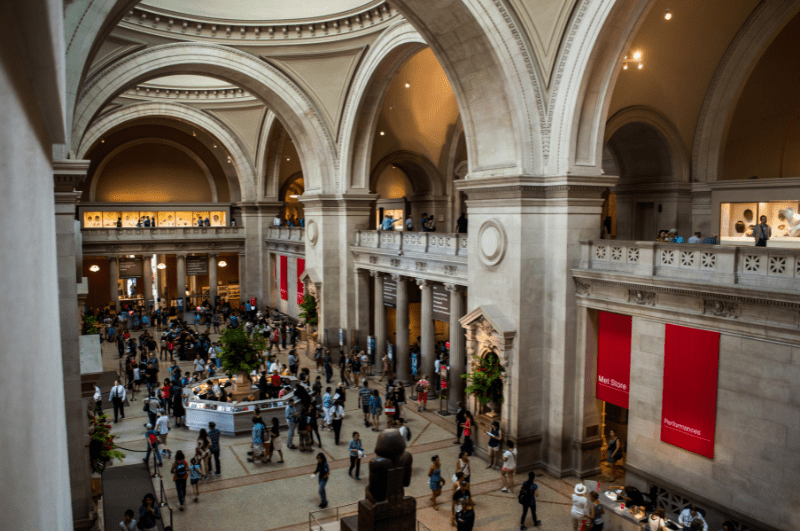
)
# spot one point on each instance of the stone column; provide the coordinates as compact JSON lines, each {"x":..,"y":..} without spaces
{"x":147,"y":277}
{"x":181,"y":281}
{"x":401,"y":356}
{"x":212,"y":277}
{"x":113,"y":281}
{"x":242,"y":283}
{"x":456,"y":383}
{"x":380,"y":320}
{"x":362,"y":308}
{"x":427,"y":332}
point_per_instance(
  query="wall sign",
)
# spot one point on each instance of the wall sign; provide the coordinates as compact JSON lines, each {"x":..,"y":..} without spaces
{"x":284,"y":280}
{"x":390,"y":292}
{"x":196,"y":266}
{"x":689,"y":400}
{"x":441,"y":303}
{"x":130,"y":267}
{"x":301,"y":288}
{"x":614,"y":358}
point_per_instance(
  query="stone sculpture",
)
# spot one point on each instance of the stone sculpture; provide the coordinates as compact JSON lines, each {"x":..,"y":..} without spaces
{"x":793,"y":219}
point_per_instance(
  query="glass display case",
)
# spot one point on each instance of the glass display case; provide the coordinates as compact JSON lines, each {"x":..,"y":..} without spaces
{"x":130,"y":219}
{"x":737,"y":220}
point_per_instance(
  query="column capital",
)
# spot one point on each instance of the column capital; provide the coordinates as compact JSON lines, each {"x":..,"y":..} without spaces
{"x":181,"y":255}
{"x":453,"y":288}
{"x":69,"y":173}
{"x":112,"y":257}
{"x":424,"y":282}
{"x":398,"y":277}
{"x":361,"y":272}
{"x":212,"y":254}
{"x":375,"y":274}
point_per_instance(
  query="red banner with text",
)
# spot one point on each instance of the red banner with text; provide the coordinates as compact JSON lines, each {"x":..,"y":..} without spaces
{"x":284,"y":280}
{"x":301,"y":288}
{"x":689,"y":404}
{"x":614,"y":358}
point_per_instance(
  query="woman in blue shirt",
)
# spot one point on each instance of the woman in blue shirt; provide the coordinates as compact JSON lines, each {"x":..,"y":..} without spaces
{"x":355,"y":448}
{"x":322,"y":472}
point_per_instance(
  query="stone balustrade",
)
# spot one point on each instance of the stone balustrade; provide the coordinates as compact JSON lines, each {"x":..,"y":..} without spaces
{"x":413,"y":242}
{"x":289,"y":234}
{"x":764,"y":267}
{"x":161,"y":233}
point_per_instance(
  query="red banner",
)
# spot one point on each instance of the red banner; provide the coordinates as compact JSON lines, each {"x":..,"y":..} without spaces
{"x":689,"y":403}
{"x":301,"y":288}
{"x":284,"y":280}
{"x":614,"y":358}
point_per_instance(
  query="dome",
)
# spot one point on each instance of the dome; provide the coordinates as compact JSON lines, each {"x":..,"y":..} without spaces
{"x":258,"y":10}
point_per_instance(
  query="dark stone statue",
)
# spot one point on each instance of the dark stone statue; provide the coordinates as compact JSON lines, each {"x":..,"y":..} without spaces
{"x":386,"y":506}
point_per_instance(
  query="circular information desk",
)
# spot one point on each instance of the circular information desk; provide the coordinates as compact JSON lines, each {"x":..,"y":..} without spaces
{"x":232,"y":418}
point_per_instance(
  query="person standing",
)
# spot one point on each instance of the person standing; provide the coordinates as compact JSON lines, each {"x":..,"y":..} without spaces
{"x":148,"y":513}
{"x":436,"y":482}
{"x":327,"y":407}
{"x":596,"y":511}
{"x":152,"y":445}
{"x":364,"y":395}
{"x":180,"y":472}
{"x":162,"y":428}
{"x":178,"y":411}
{"x":117,"y":398}
{"x":423,"y":387}
{"x":375,"y":409}
{"x":356,"y":452}
{"x":509,"y":467}
{"x":258,"y":441}
{"x":465,"y":519}
{"x":656,"y":521}
{"x":495,"y":436}
{"x":527,"y":498}
{"x":291,"y":421}
{"x":762,"y":232}
{"x":461,"y":418}
{"x":614,"y":453}
{"x":98,"y":400}
{"x":337,"y":418}
{"x":213,"y":436}
{"x":275,"y":439}
{"x":579,"y":506}
{"x":410,"y":223}
{"x":128,"y":524}
{"x":461,"y":224}
{"x":695,"y":238}
{"x":467,"y":425}
{"x":322,"y":472}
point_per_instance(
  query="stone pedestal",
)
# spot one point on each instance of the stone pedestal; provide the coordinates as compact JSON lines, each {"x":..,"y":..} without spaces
{"x":242,"y":387}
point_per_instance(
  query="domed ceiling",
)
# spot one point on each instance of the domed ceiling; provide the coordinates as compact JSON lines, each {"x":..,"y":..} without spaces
{"x":257,"y":10}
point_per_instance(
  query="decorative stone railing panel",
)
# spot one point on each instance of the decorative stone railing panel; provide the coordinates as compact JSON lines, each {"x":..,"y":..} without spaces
{"x":767,"y":267}
{"x":290,"y":234}
{"x":161,"y":233}
{"x":444,"y":244}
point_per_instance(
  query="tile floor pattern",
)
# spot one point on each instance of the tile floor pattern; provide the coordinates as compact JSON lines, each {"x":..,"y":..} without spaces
{"x":257,"y":497}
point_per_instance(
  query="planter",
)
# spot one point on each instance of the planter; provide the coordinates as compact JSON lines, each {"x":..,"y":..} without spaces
{"x":494,"y":409}
{"x":242,"y":387}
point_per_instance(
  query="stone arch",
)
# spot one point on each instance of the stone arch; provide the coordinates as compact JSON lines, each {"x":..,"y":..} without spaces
{"x":295,"y":109}
{"x":752,"y":40}
{"x":119,"y":149}
{"x":423,"y":174}
{"x":243,"y":185}
{"x":676,"y":159}
{"x":264,"y":153}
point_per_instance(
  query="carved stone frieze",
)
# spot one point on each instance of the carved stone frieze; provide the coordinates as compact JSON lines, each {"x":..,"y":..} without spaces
{"x":647,"y":298}
{"x":582,"y":288}
{"x":373,"y":259}
{"x":421,"y":266}
{"x":450,"y":270}
{"x":720,"y":308}
{"x":395,"y":262}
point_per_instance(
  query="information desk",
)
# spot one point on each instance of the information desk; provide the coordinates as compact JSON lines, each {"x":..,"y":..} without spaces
{"x":618,"y":519}
{"x":232,"y":418}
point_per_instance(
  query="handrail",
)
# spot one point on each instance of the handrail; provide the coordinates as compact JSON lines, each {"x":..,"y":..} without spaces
{"x":162,"y":492}
{"x":438,"y":243}
{"x":334,"y":513}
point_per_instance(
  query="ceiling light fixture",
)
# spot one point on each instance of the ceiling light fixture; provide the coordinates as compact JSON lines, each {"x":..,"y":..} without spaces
{"x":95,"y":268}
{"x":408,"y":85}
{"x":637,"y":60}
{"x":668,"y":15}
{"x":288,"y":159}
{"x":161,"y":265}
{"x":294,"y":196}
{"x":194,"y":133}
{"x":222,"y":263}
{"x":382,"y":133}
{"x":103,"y":141}
{"x":131,"y":256}
{"x":215,"y":146}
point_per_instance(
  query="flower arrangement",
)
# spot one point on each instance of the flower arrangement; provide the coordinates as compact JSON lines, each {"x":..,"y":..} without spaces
{"x":240,"y":353}
{"x":102,"y":448}
{"x":486,"y":380}
{"x":308,"y":310}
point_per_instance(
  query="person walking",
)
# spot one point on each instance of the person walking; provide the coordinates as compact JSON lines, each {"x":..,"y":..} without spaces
{"x":180,"y":472}
{"x":461,"y":418}
{"x":375,"y":409}
{"x":195,"y":475}
{"x":98,"y":400}
{"x":322,"y":472}
{"x":148,"y":513}
{"x":356,"y":453}
{"x":509,"y":467}
{"x":213,"y":436}
{"x":162,"y":428}
{"x":313,"y":416}
{"x":275,"y":440}
{"x":291,"y":421}
{"x":462,"y":465}
{"x":527,"y":498}
{"x":117,"y":398}
{"x":423,"y":387}
{"x":468,"y":446}
{"x":436,"y":482}
{"x":364,"y":395}
{"x":152,"y":445}
{"x":128,"y":524}
{"x":579,"y":506}
{"x":336,"y":420}
{"x":461,"y":498}
{"x":465,"y":519}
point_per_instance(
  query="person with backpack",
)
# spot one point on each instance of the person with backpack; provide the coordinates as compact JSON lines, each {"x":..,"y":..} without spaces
{"x":195,"y":474}
{"x":356,"y":453}
{"x":152,"y":444}
{"x":180,"y":472}
{"x":527,"y":498}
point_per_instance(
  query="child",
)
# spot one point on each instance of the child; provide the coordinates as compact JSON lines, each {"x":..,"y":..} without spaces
{"x":129,"y":524}
{"x":194,"y":475}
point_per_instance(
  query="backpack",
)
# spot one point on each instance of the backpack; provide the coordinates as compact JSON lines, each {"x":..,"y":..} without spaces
{"x":153,"y":439}
{"x":526,"y":494}
{"x":408,"y":433}
{"x":180,"y":470}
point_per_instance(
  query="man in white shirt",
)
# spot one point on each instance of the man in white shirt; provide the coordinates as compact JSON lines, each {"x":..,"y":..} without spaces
{"x":695,"y":238}
{"x":689,"y":515}
{"x":199,"y":366}
{"x":98,"y":400}
{"x":212,"y":355}
{"x":277,"y":221}
{"x":117,"y":398}
{"x":409,"y":223}
{"x":162,"y":428}
{"x":509,"y":466}
{"x":216,"y":390}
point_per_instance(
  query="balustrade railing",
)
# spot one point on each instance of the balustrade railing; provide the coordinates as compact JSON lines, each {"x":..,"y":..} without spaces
{"x":292,"y":234}
{"x":161,"y":233}
{"x":446,"y":244}
{"x":766,"y":267}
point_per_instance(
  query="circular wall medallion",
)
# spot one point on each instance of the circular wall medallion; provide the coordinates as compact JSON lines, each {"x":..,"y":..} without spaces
{"x":312,"y":233}
{"x":491,"y":242}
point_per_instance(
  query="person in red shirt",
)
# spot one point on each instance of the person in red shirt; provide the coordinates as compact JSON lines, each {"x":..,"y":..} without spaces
{"x":275,"y":380}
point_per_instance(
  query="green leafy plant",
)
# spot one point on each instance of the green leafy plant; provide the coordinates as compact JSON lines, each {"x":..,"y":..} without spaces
{"x":308,"y":310}
{"x":240,"y":353}
{"x":89,"y":327}
{"x":486,"y":381}
{"x":101,"y":447}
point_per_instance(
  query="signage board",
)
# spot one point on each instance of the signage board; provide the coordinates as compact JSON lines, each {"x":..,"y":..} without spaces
{"x":389,"y":293}
{"x":414,"y":364}
{"x":180,"y":304}
{"x":613,"y":358}
{"x":196,"y":266}
{"x":130,"y":267}
{"x":441,"y":303}
{"x":341,"y":337}
{"x":371,"y":347}
{"x":253,"y":303}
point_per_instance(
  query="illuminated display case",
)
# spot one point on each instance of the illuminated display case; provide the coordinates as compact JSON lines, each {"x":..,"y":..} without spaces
{"x":106,"y":218}
{"x":737,"y":220}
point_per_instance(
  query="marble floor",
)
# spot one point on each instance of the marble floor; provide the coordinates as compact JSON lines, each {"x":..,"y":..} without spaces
{"x":257,"y":497}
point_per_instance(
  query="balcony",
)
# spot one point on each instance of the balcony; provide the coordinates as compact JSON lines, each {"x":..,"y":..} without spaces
{"x":763,"y":267}
{"x":286,"y":240}
{"x":163,"y":239}
{"x":434,"y":256}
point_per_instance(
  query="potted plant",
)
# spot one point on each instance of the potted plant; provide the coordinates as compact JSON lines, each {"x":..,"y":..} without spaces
{"x":240,"y":355}
{"x":308,"y":310}
{"x":485,"y":382}
{"x":101,"y":446}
